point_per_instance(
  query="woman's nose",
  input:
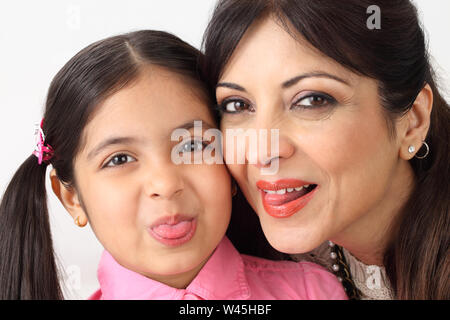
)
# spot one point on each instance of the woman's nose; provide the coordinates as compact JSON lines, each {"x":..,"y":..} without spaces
{"x":273,"y":144}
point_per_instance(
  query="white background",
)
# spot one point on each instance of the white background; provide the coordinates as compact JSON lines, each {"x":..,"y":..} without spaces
{"x":38,"y":37}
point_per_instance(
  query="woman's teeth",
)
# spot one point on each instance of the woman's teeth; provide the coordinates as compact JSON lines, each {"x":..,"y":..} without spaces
{"x":283,"y":191}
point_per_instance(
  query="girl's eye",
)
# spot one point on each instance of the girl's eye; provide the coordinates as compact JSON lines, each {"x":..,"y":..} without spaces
{"x":192,"y":146}
{"x":235,"y":106}
{"x":314,"y":100}
{"x":119,"y":159}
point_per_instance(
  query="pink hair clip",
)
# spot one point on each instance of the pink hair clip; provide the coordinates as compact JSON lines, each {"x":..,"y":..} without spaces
{"x":43,"y":152}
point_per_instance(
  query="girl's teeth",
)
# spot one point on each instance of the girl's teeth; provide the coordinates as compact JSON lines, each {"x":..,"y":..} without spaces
{"x":270,"y":191}
{"x":298,"y":189}
{"x":290,"y":189}
{"x":281,"y":191}
{"x":306,"y":186}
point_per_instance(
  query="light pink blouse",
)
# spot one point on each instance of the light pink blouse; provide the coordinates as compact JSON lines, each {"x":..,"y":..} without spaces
{"x":227,"y":275}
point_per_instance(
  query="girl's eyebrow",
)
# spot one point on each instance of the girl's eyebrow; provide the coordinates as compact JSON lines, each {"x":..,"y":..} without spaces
{"x":191,"y":124}
{"x":108,"y":142}
{"x":130,"y":140}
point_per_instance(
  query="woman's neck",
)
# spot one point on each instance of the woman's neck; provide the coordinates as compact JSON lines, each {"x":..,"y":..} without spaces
{"x":368,"y":238}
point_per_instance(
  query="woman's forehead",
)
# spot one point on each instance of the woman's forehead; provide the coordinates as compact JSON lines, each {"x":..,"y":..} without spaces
{"x":267,"y":41}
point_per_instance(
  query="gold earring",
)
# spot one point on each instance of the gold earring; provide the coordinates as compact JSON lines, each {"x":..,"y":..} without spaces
{"x":78,"y":223}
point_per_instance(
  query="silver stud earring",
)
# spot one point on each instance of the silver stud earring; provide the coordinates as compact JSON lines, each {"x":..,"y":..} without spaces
{"x":411,"y":149}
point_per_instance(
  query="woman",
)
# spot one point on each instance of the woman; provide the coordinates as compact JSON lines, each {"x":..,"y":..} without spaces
{"x":363,"y":155}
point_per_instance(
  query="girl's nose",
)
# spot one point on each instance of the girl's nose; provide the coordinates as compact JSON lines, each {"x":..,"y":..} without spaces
{"x":164,"y":183}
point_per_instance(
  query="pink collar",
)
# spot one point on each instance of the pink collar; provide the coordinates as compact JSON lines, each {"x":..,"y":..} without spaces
{"x":221,"y":278}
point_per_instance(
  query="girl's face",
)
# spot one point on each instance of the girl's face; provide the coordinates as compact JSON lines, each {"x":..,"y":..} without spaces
{"x":155,"y":217}
{"x":333,"y":136}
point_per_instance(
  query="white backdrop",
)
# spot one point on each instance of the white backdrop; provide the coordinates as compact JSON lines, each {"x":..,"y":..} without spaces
{"x":38,"y":37}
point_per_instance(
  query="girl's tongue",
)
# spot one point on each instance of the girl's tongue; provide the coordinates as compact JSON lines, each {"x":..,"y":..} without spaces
{"x":173,"y":231}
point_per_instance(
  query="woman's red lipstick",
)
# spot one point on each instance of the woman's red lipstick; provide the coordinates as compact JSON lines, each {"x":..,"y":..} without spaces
{"x":283,"y":198}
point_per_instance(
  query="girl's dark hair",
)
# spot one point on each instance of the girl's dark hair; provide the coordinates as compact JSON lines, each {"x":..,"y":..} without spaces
{"x":417,"y":260}
{"x":27,"y":264}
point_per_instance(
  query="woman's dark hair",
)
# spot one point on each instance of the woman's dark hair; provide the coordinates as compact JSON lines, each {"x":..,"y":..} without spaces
{"x":28,"y":269}
{"x":417,"y":260}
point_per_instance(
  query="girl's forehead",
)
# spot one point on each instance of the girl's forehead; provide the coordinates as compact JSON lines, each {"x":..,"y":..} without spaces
{"x":151,"y":107}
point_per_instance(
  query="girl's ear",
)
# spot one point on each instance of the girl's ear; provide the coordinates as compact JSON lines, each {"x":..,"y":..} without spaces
{"x":416,"y":123}
{"x":69,"y":199}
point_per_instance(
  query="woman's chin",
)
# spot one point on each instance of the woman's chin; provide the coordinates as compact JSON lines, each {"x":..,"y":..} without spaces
{"x":292,"y":243}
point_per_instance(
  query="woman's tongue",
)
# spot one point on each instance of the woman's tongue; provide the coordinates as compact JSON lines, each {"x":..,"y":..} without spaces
{"x":280,"y":199}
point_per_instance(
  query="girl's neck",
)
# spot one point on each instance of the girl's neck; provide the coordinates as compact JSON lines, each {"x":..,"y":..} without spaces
{"x":179,"y":280}
{"x":368,"y":238}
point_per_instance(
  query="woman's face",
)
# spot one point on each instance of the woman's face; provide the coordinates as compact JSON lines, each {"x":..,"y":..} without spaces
{"x":333,"y":136}
{"x":155,"y":217}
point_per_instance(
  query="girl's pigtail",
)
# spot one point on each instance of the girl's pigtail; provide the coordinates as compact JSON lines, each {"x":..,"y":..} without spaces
{"x":27,"y":262}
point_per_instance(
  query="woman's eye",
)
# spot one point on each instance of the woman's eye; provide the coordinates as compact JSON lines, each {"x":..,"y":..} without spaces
{"x":314,"y":101}
{"x":235,"y":106}
{"x":119,"y":159}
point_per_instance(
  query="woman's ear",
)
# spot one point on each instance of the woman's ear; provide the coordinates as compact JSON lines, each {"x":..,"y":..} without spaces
{"x":69,"y":199}
{"x":416,"y":124}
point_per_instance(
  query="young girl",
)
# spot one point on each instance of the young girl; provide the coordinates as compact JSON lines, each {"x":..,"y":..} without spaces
{"x":107,"y":128}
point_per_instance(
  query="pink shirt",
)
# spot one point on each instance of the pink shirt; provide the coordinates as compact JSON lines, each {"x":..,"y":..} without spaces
{"x":227,"y":275}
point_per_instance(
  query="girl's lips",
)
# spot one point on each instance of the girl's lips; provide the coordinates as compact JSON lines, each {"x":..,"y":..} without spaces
{"x":283,"y":198}
{"x":173,"y":231}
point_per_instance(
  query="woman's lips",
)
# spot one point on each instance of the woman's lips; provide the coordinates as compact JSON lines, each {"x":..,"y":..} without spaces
{"x":174,"y":230}
{"x":283,"y":198}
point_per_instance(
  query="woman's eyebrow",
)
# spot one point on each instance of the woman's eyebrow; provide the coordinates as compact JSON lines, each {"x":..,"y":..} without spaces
{"x":314,"y":74}
{"x":290,"y":82}
{"x":231,"y":86}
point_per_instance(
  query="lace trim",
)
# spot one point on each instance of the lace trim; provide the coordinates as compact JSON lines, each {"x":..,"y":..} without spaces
{"x":371,"y":280}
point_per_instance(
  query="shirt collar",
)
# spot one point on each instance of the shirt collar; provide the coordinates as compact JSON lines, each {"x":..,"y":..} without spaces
{"x":221,"y":278}
{"x":223,"y":275}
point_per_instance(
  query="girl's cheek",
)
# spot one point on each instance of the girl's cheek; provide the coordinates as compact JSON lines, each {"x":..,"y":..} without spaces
{"x":217,"y":175}
{"x":109,"y":202}
{"x":216,"y":183}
